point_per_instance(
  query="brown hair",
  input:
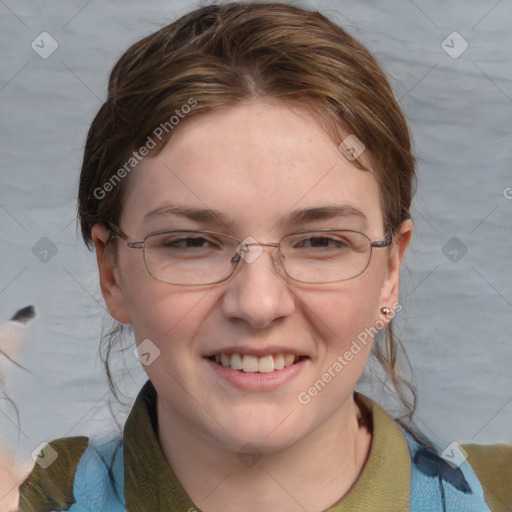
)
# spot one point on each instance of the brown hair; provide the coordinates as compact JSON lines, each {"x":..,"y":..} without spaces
{"x":220,"y":55}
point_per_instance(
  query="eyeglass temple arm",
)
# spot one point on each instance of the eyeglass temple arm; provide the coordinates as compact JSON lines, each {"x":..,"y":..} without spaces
{"x":116,"y":231}
{"x":385,"y":243}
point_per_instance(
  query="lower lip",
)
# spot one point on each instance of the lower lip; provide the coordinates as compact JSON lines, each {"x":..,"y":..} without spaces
{"x":257,"y":381}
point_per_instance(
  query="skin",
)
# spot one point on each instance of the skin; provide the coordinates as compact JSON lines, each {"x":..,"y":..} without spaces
{"x":12,"y":473}
{"x":255,"y":162}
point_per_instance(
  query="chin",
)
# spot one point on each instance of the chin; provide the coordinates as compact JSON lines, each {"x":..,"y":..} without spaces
{"x":267,"y":434}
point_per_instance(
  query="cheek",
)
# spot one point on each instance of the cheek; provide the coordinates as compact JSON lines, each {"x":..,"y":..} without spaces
{"x":168,"y":316}
{"x":341,"y":315}
{"x":343,"y":322}
{"x":164,"y":316}
{"x":171,"y":322}
{"x":157,"y":310}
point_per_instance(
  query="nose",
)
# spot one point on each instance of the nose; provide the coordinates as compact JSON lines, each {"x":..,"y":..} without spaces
{"x":258,"y":292}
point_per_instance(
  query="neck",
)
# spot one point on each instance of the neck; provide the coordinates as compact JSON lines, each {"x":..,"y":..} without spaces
{"x":311,"y":474}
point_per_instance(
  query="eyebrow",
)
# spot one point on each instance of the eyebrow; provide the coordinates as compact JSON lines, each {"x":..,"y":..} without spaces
{"x":303,"y":216}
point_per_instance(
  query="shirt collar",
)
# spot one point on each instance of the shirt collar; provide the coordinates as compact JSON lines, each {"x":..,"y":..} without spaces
{"x":151,"y":484}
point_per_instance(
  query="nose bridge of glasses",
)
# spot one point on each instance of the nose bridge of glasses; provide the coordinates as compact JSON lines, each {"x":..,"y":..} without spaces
{"x":259,"y":244}
{"x":244,"y":251}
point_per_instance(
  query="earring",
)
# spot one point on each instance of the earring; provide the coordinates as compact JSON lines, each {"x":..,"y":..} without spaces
{"x":385,"y":311}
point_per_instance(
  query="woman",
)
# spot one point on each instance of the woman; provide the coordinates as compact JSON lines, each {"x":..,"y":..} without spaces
{"x":247,"y":188}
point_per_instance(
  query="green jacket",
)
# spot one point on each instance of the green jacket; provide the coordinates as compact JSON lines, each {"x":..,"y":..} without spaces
{"x":133,"y":474}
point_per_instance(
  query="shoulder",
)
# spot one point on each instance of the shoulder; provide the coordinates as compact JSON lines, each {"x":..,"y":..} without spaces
{"x":49,"y":486}
{"x":492,"y":465}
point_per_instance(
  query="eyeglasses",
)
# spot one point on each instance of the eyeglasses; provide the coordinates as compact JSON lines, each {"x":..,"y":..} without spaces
{"x":202,"y":257}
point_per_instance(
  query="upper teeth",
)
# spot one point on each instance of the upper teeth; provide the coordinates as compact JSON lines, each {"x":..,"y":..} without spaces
{"x":250,"y":363}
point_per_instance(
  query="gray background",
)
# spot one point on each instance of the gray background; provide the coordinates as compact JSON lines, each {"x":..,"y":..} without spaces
{"x":456,"y":322}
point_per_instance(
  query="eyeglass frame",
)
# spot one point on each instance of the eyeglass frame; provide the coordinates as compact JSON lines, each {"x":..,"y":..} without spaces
{"x":116,"y":231}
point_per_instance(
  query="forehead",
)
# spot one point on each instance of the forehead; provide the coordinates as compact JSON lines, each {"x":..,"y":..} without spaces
{"x":255,"y":162}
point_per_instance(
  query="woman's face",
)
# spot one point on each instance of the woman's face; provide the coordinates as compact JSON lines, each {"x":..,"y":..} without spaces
{"x":257,"y":164}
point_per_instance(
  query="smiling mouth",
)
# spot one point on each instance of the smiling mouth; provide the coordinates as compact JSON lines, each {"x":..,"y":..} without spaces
{"x":251,"y":364}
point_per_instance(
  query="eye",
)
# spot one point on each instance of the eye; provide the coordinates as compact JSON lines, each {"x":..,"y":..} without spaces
{"x":179,"y":242}
{"x":186,"y":243}
{"x":322,"y":242}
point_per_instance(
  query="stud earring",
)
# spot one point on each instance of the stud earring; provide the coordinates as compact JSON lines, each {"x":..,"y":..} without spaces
{"x":385,"y":311}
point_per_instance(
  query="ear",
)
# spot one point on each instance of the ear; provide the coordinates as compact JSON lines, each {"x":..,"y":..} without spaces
{"x":390,"y":288}
{"x":109,"y":276}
